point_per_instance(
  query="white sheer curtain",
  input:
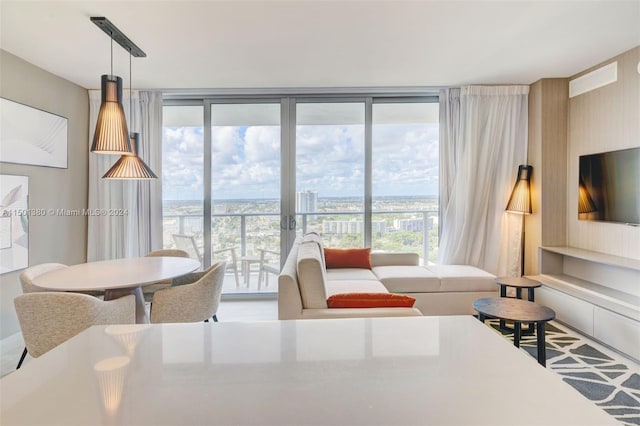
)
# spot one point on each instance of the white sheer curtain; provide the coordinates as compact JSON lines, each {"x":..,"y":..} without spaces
{"x":128,"y":222}
{"x":484,"y":140}
{"x":450,"y":144}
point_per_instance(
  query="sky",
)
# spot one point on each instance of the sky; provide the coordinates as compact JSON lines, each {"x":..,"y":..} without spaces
{"x":329,"y":160}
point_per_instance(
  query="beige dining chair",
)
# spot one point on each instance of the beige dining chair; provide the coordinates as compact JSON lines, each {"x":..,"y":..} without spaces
{"x":149,"y":290}
{"x":28,"y":275}
{"x":48,"y":319}
{"x":26,"y":282}
{"x":188,"y":244}
{"x":191,"y":298}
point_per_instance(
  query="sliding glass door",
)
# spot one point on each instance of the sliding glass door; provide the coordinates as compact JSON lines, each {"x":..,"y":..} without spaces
{"x":245,"y":192}
{"x":330,"y":171}
{"x":242,"y":177}
{"x":405,"y":153}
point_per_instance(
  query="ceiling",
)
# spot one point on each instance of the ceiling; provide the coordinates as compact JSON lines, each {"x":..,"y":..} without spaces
{"x":320,"y":44}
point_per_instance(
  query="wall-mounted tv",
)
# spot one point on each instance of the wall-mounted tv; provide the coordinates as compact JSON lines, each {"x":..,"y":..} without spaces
{"x":609,"y":186}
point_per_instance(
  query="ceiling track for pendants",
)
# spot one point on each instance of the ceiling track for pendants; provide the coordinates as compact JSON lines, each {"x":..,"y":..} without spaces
{"x":118,"y":36}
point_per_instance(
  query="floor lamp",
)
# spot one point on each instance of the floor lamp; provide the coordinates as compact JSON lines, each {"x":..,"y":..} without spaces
{"x":520,"y":202}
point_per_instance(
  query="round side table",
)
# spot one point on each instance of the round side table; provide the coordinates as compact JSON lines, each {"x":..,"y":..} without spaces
{"x":518,"y":283}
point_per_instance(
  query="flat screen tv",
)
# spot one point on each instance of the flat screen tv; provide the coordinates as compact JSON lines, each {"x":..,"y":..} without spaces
{"x":609,"y":187}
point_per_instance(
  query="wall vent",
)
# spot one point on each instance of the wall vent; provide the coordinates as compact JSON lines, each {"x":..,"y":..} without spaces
{"x":597,"y":78}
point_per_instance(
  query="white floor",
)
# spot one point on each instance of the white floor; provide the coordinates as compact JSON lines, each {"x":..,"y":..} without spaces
{"x":269,"y":284}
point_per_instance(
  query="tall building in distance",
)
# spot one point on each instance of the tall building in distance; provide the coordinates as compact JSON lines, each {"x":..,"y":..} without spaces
{"x":352,"y":227}
{"x":307,"y":202}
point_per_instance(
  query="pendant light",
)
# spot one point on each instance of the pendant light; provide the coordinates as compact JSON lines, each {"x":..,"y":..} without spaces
{"x":130,"y":166}
{"x":111,"y":135}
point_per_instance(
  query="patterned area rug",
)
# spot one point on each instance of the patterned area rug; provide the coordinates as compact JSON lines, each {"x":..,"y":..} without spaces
{"x":604,"y":377}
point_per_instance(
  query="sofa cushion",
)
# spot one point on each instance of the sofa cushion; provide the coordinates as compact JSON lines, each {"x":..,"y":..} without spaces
{"x":407,"y":279}
{"x":311,"y":276}
{"x":347,"y":258}
{"x":455,"y":278}
{"x":354,"y":286}
{"x":394,"y":259}
{"x":350,"y":274}
{"x":370,"y":300}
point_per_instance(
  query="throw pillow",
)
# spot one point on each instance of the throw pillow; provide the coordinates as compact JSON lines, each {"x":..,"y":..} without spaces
{"x":347,"y":258}
{"x":370,"y":300}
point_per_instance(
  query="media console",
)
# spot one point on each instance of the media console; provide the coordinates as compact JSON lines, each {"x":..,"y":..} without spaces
{"x":595,"y":293}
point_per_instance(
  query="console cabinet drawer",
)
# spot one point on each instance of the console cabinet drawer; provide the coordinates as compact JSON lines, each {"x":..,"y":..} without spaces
{"x":617,"y":331}
{"x":570,"y":310}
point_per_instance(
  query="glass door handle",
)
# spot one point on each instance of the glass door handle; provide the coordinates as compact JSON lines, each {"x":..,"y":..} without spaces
{"x":288,"y":222}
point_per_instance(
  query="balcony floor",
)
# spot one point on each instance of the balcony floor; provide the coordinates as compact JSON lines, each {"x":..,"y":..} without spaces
{"x":230,"y":287}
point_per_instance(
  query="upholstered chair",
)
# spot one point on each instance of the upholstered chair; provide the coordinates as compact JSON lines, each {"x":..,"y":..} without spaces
{"x":48,"y":319}
{"x":26,"y":281}
{"x":28,"y":275}
{"x":149,"y":289}
{"x":192,"y":298}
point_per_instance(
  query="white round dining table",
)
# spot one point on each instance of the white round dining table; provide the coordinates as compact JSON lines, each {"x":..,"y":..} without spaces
{"x":117,"y":277}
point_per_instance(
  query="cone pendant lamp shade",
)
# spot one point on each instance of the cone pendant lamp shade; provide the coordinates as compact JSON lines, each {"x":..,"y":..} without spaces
{"x":111,"y":135}
{"x":130,"y":166}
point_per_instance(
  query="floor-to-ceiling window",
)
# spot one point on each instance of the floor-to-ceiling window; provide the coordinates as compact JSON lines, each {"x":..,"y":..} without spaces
{"x":405,"y":178}
{"x":245,"y":189}
{"x":182,"y":175}
{"x":244,"y":176}
{"x":330,"y":178}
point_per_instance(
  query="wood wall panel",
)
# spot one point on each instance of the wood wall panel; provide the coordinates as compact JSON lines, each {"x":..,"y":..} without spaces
{"x":554,"y":156}
{"x":548,"y":99}
{"x":604,"y":119}
{"x":533,"y":223}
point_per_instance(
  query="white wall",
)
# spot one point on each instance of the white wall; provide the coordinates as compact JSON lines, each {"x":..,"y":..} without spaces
{"x":604,"y":119}
{"x":51,"y":238}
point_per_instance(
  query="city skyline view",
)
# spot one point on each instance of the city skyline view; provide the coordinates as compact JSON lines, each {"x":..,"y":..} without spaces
{"x":398,"y":223}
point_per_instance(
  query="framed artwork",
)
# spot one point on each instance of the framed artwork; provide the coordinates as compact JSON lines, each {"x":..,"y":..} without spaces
{"x":14,"y":223}
{"x":32,"y":136}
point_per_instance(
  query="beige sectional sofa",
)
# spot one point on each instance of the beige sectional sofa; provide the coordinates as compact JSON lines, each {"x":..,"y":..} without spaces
{"x":305,"y":284}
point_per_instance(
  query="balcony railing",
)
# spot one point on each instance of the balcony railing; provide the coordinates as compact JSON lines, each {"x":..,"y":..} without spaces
{"x":392,"y":230}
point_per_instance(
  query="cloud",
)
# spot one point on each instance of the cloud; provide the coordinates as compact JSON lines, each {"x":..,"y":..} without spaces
{"x":182,"y":163}
{"x":405,"y":159}
{"x":329,"y":159}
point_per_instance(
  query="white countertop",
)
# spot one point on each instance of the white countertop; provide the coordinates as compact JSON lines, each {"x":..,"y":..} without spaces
{"x":391,"y":371}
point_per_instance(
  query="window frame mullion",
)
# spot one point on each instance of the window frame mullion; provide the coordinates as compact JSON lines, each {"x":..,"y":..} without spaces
{"x":206,"y":226}
{"x":368,"y":164}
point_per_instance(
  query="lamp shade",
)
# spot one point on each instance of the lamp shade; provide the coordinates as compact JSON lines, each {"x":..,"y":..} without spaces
{"x":130,"y":166}
{"x":520,"y":199}
{"x":585,"y":202}
{"x":111,"y":135}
